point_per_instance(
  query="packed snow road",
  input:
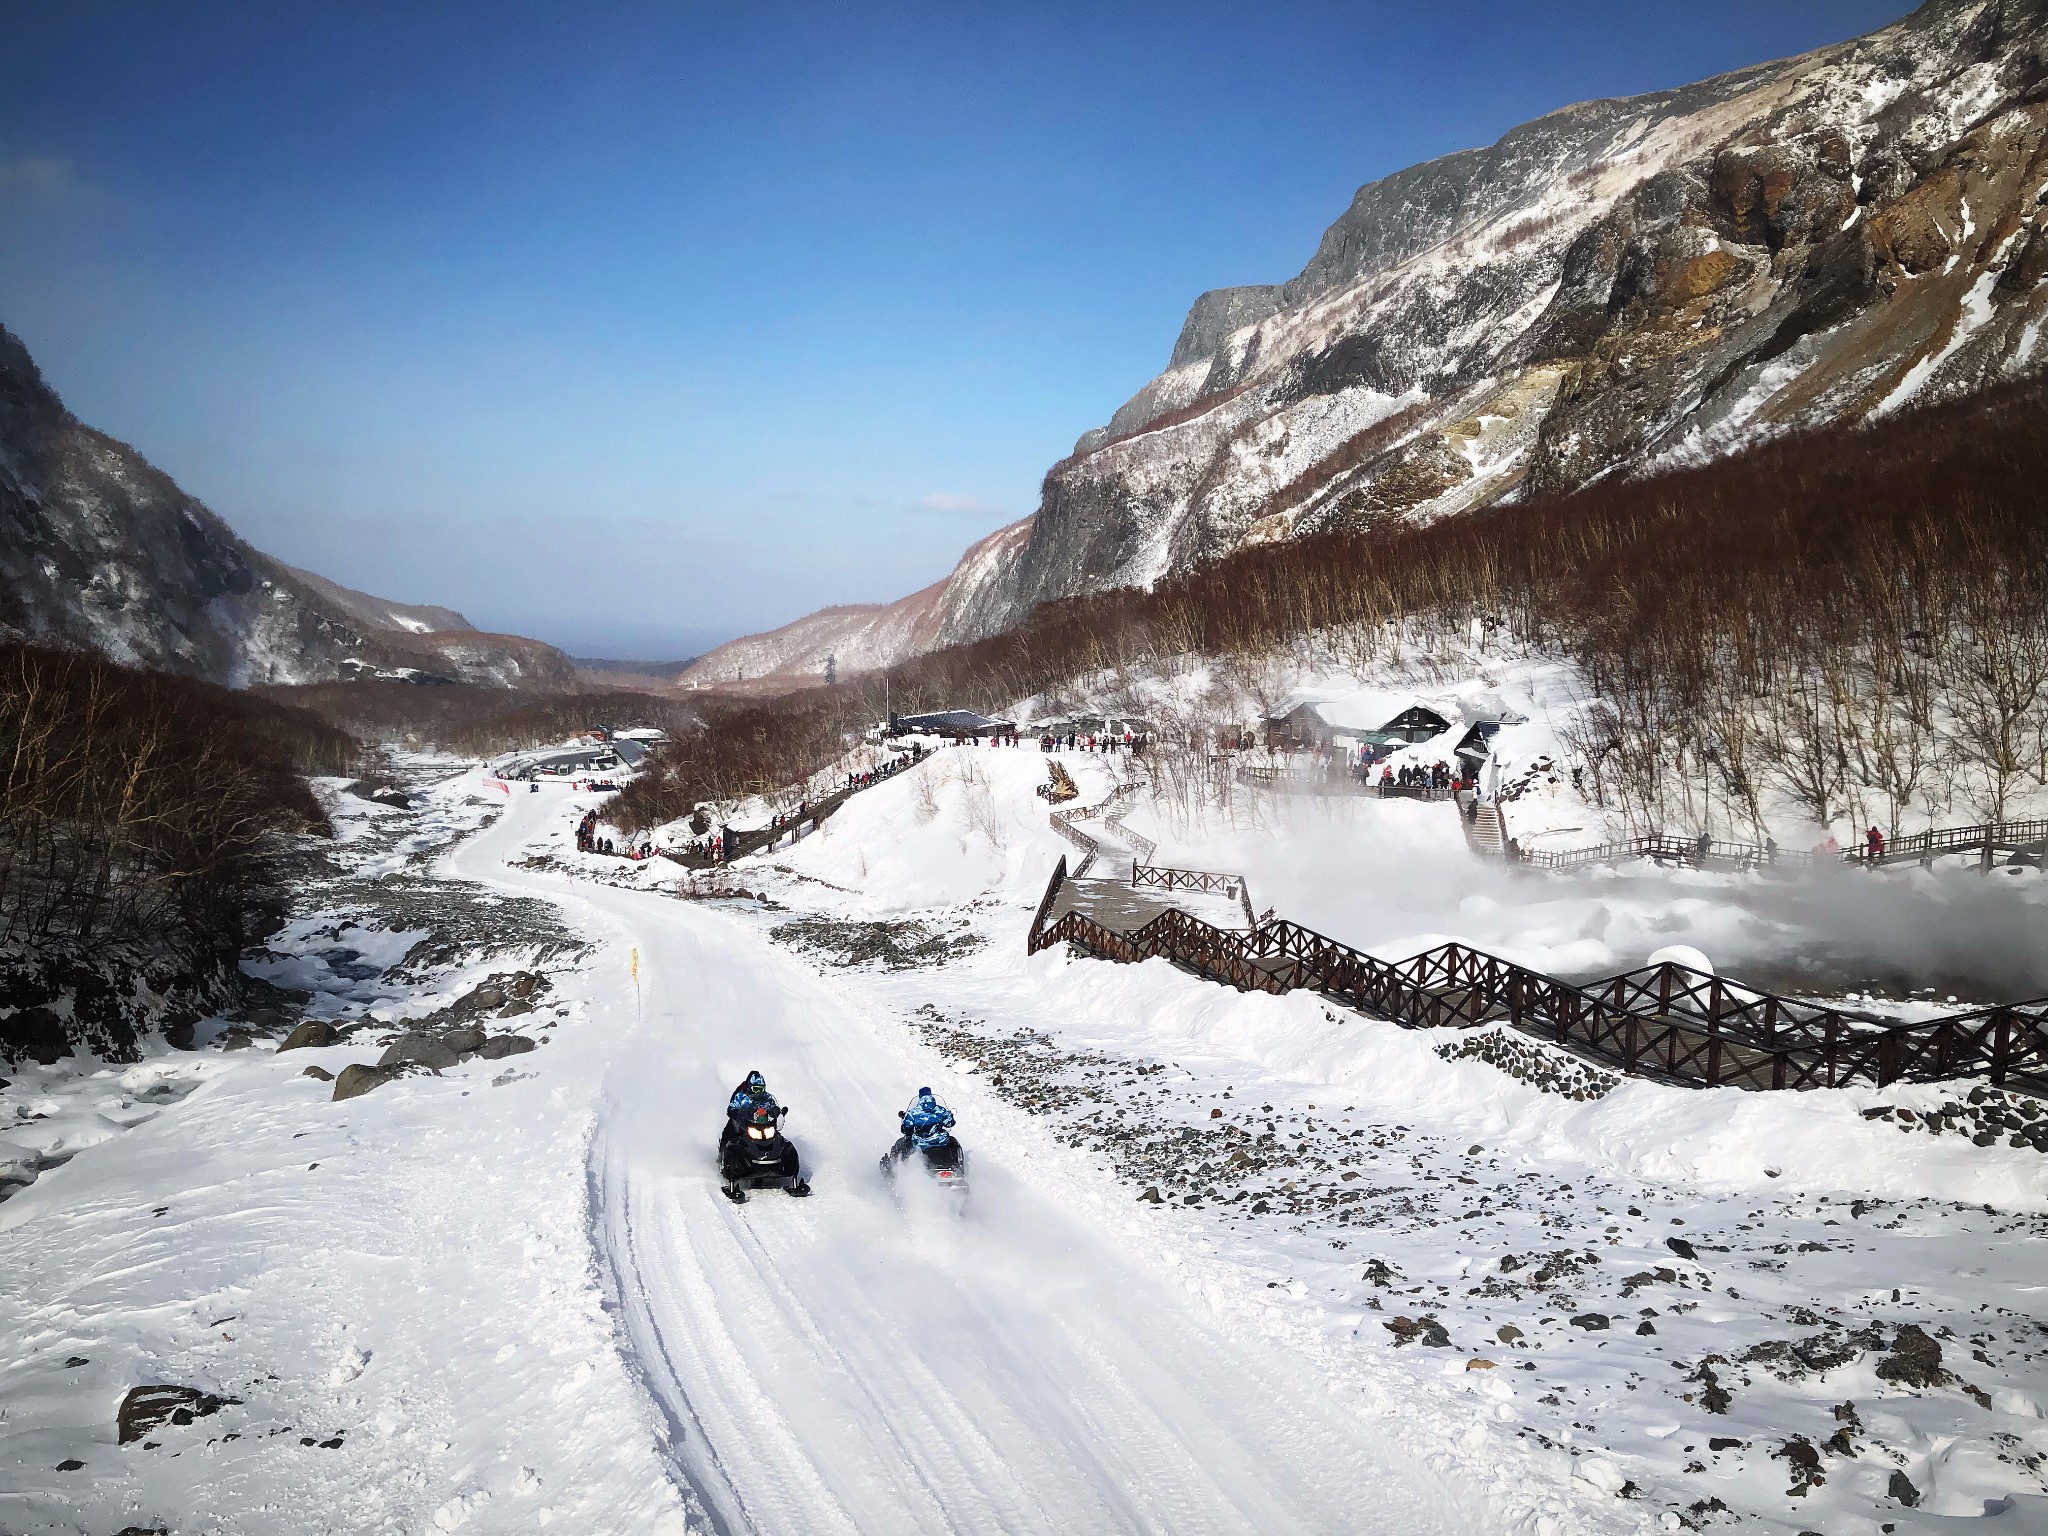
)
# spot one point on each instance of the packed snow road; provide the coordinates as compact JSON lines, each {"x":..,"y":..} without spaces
{"x":847,"y":1363}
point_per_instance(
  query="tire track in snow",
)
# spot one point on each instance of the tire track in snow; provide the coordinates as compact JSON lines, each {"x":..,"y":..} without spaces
{"x":832,"y":1366}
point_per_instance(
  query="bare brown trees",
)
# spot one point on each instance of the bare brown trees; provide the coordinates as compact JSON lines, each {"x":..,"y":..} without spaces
{"x":145,"y":809}
{"x":1854,"y":620}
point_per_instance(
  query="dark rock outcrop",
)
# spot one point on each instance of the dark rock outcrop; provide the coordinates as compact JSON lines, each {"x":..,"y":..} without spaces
{"x":147,"y":1408}
{"x":356,"y":1079}
{"x":421,"y":1050}
{"x":313,"y":1033}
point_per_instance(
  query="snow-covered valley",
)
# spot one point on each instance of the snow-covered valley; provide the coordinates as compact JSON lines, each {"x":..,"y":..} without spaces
{"x":1231,"y":1261}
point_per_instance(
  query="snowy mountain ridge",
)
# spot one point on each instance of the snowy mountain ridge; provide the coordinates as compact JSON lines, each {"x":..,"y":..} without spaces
{"x":1616,"y":288}
{"x":105,"y":551}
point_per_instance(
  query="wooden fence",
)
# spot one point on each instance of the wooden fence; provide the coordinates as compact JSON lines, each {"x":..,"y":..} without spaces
{"x":1232,"y":887}
{"x":1667,"y":1021}
{"x":1703,"y":853}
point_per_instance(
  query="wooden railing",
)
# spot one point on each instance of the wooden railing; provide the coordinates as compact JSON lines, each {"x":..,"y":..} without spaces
{"x":1666,"y":1022}
{"x":2002,"y":836}
{"x":1160,"y":877}
{"x":1989,"y":837}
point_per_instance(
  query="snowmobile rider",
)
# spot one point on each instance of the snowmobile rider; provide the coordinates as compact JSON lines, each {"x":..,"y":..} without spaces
{"x":752,"y":1094}
{"x":927,"y":1121}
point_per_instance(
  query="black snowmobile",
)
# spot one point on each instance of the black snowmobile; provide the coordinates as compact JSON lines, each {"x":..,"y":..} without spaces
{"x":754,"y":1154}
{"x":944,"y":1162}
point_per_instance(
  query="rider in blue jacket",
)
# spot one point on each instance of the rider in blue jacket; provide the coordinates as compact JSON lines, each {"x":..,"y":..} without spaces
{"x":927,"y":1121}
{"x":751,"y":1093}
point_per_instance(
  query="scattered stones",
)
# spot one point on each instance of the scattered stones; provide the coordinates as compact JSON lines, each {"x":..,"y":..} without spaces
{"x":1478,"y":1364}
{"x":898,"y":946}
{"x":318,"y":1074}
{"x":1902,"y":1489}
{"x":497,"y":1047}
{"x":1542,"y":1067}
{"x":1507,"y":1333}
{"x":1426,"y":1330}
{"x":1592,"y":1322}
{"x":311,"y":1033}
{"x":1800,"y":1455}
{"x":1681,"y":1247}
{"x":146,"y":1408}
{"x":1711,"y":1396}
{"x":1987,"y":1117}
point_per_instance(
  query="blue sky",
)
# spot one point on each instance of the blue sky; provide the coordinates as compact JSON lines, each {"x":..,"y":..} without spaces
{"x":630,"y":327}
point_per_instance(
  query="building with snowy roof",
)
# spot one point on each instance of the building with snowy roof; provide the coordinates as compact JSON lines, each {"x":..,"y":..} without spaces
{"x":959,"y":724}
{"x":1376,"y":720}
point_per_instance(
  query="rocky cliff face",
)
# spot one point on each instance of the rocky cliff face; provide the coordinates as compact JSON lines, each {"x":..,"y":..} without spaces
{"x":1616,"y":288}
{"x":98,"y":548}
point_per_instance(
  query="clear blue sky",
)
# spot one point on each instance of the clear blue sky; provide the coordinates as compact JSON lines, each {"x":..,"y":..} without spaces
{"x":629,"y":326}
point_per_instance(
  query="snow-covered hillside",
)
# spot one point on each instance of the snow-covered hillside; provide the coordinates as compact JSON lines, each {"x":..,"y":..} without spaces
{"x":1229,"y":1261}
{"x":858,"y":637}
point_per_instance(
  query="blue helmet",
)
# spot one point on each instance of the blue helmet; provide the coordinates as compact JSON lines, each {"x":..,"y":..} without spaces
{"x":756,"y":1083}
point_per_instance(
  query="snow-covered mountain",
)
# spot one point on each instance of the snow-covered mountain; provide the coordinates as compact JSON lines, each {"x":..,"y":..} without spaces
{"x":102,"y":549}
{"x":859,"y":636}
{"x":1617,"y":287}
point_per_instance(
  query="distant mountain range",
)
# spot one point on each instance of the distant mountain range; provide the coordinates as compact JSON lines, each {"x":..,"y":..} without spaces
{"x":103,"y":550}
{"x":1617,"y":288}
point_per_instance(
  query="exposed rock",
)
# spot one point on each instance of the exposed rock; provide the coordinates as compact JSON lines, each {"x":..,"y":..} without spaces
{"x":500,"y":1046}
{"x":19,"y":1164}
{"x":1681,"y":1247}
{"x":35,"y":1033}
{"x":320,"y":1073}
{"x":1902,"y":1489}
{"x":311,"y":1033}
{"x":145,"y":1408}
{"x":1592,"y":1322}
{"x":1915,"y":1360}
{"x":356,"y":1080}
{"x":464,"y":1040}
{"x":424,"y":1050}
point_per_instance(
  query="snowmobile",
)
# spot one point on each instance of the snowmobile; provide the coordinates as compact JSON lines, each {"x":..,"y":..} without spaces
{"x":754,"y":1154}
{"x":944,"y":1161}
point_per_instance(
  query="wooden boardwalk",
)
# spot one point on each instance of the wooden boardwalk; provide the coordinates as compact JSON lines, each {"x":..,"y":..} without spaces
{"x":1666,"y":1021}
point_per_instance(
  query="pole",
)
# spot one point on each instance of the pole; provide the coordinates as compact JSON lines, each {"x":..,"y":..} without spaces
{"x":636,"y":984}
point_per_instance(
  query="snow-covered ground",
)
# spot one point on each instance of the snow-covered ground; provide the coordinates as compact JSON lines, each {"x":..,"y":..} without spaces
{"x":1231,"y":1262}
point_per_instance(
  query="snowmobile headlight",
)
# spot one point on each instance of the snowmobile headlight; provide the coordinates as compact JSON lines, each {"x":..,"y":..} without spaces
{"x":754,"y":1132}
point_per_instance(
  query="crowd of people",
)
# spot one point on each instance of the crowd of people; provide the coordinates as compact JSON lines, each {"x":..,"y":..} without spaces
{"x":1075,"y":741}
{"x":888,"y":770}
{"x":588,"y":840}
{"x":1434,"y":777}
